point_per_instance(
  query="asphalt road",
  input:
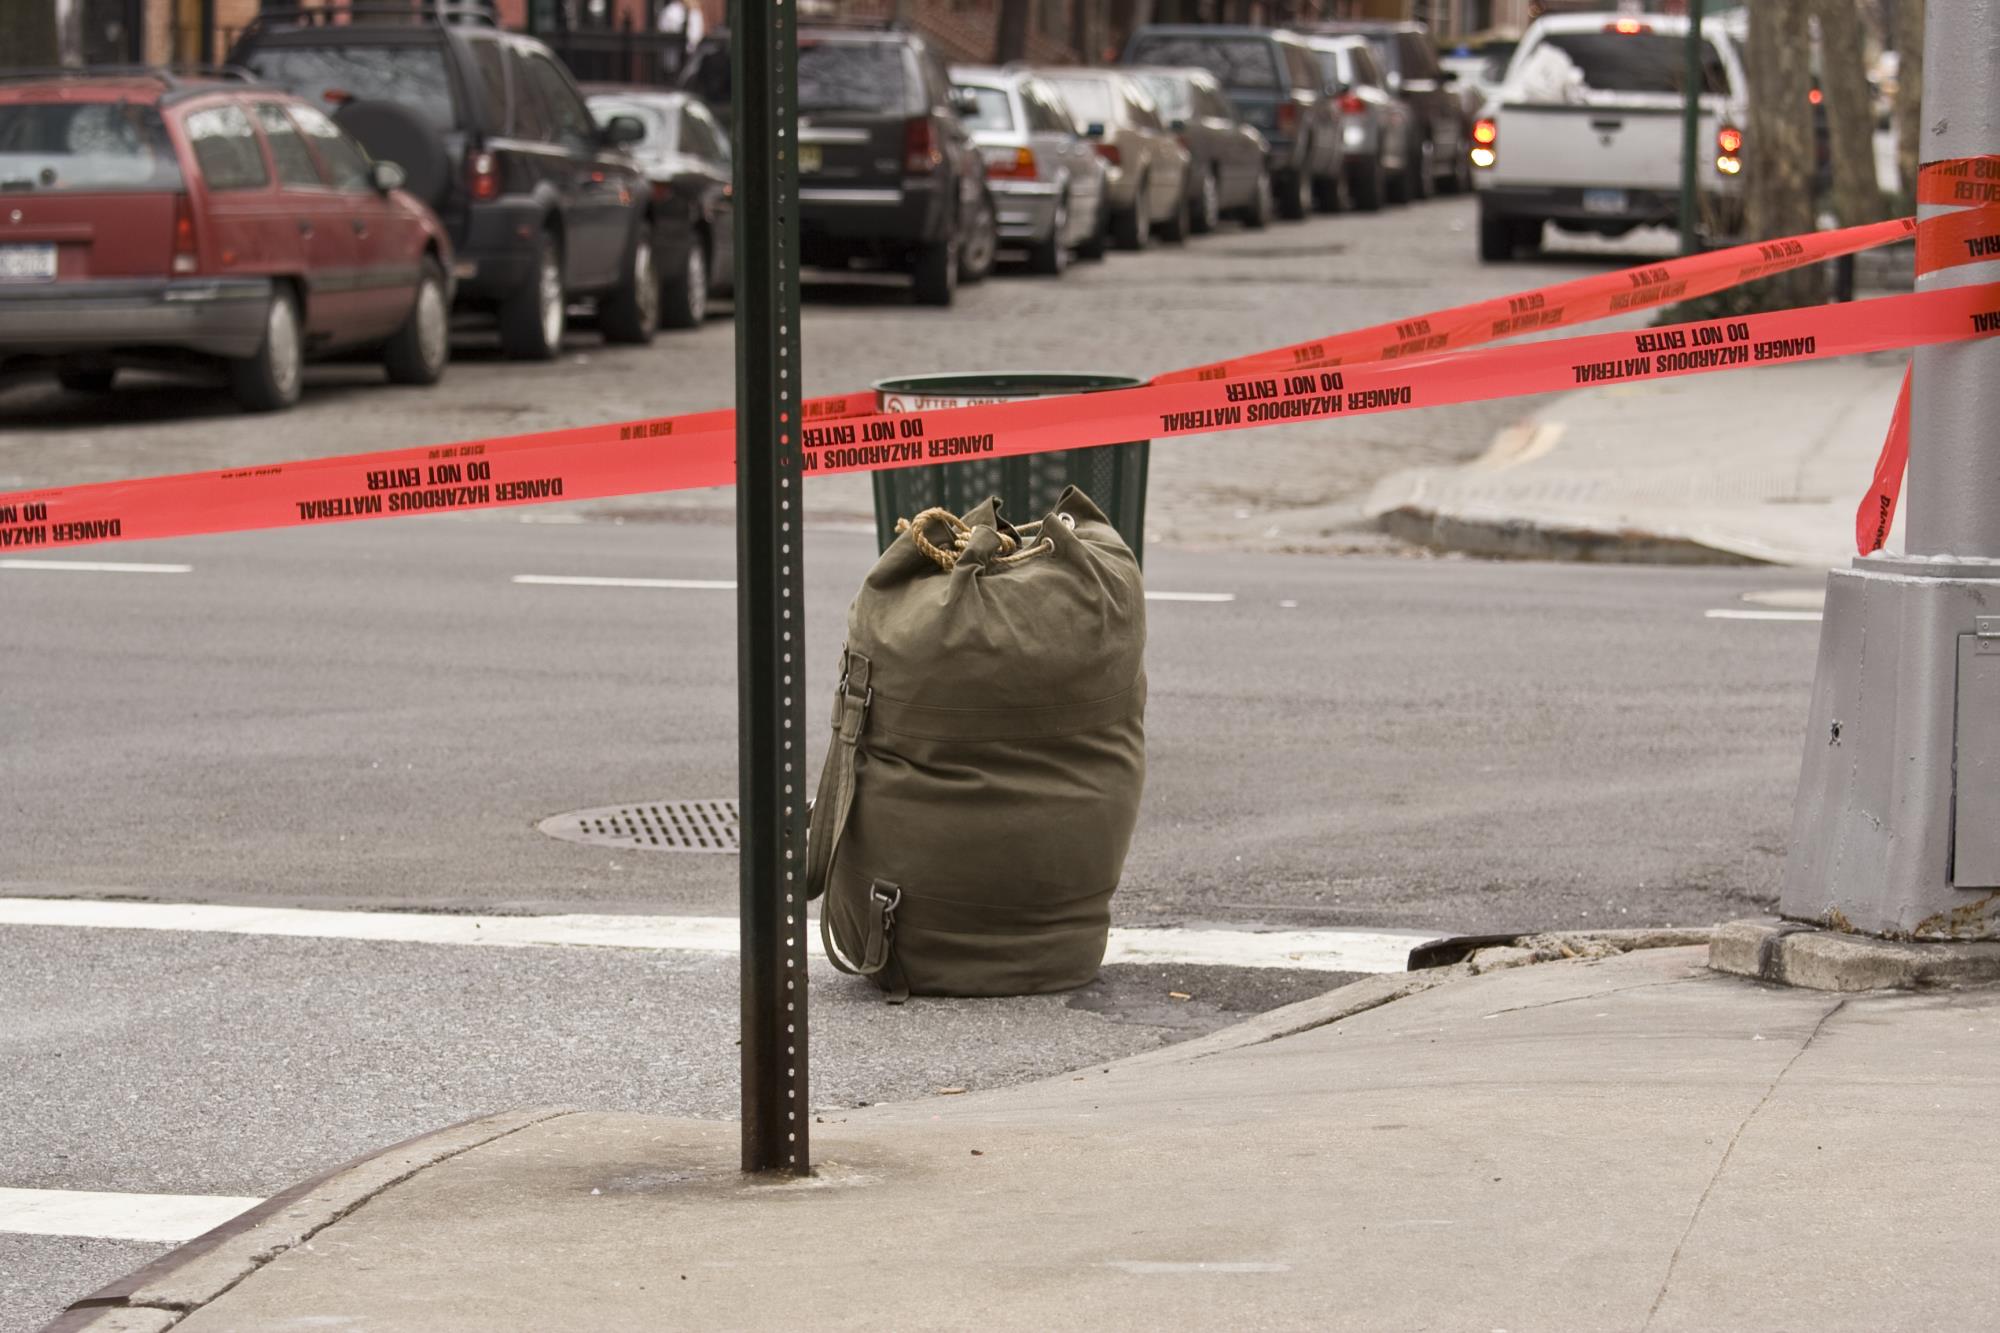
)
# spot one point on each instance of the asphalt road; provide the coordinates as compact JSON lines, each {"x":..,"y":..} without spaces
{"x":377,"y":715}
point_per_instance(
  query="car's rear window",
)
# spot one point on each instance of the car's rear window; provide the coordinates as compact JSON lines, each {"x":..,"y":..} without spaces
{"x":851,"y":76}
{"x":85,"y":146}
{"x":993,"y":109}
{"x":1171,"y":94}
{"x":1620,"y":62}
{"x":413,"y":75}
{"x":1238,"y":62}
{"x":660,"y":126}
{"x":1089,"y":99}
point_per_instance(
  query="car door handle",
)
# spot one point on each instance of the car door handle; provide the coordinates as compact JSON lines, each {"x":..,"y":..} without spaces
{"x":360,"y":227}
{"x":305,"y":228}
{"x":1606,"y":126}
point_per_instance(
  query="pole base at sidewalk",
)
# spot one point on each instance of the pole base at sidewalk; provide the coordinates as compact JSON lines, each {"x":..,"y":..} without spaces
{"x":1793,"y":953}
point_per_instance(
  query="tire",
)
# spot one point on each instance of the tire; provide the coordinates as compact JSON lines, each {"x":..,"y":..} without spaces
{"x":87,"y":379}
{"x":1327,"y":194}
{"x":419,"y":351}
{"x":630,"y":312}
{"x":1496,"y":238}
{"x":1257,"y":214}
{"x":1294,"y":196}
{"x":1461,"y":170}
{"x":1367,"y":184}
{"x":980,"y":248}
{"x":1208,"y":203}
{"x":1177,"y":227}
{"x":1133,"y":229}
{"x":1527,"y":234}
{"x":1422,"y":183}
{"x":684,"y":295}
{"x":936,"y":274}
{"x":269,"y":380}
{"x":1398,"y":187}
{"x":533,"y":319}
{"x":1098,"y":243}
{"x":1050,"y":257}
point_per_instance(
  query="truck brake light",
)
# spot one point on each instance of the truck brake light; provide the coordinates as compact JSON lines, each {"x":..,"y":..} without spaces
{"x":1485,"y":134}
{"x":1729,"y":154}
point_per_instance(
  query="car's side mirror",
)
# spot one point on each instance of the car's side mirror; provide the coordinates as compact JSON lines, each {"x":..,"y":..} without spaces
{"x":1448,"y":76}
{"x":621,"y":131}
{"x":386,"y":176}
{"x":1094,"y":130}
{"x":965,"y":103}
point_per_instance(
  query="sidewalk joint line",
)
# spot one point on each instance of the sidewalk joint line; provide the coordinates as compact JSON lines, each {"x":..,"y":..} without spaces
{"x":1673,"y":1260}
{"x":1578,"y":999}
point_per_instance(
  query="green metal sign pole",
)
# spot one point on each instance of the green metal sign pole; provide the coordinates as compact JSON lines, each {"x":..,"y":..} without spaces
{"x":770,"y":624}
{"x":1692,"y":83}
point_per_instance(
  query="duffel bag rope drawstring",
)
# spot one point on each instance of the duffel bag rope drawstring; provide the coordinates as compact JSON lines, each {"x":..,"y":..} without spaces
{"x":961,"y":538}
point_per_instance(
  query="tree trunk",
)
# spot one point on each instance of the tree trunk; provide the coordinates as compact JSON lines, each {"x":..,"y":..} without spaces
{"x":1010,"y":42}
{"x":1909,"y":44}
{"x":28,"y":33}
{"x":1778,"y":157}
{"x":1086,"y":33}
{"x":1850,"y":112}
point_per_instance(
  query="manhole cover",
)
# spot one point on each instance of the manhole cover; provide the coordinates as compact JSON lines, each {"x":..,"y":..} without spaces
{"x":654,"y":826}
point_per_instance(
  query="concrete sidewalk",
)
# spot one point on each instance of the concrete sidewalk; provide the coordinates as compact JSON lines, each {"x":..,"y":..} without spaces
{"x":1762,"y":465}
{"x":1633,"y":1142}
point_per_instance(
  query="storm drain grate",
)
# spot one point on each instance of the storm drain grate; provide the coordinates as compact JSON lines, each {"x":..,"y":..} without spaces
{"x":655,"y":826}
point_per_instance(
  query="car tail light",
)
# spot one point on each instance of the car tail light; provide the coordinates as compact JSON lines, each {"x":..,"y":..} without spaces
{"x":920,"y":147}
{"x":482,"y":176}
{"x":1729,"y":150}
{"x":662,"y":191}
{"x":1288,"y":117}
{"x":187,"y":259}
{"x":1107,"y":151}
{"x":1352,"y":104}
{"x":1010,"y":164}
{"x":1485,"y":135}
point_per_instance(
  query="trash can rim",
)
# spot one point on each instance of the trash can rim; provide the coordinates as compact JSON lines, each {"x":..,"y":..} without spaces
{"x":1005,"y":383}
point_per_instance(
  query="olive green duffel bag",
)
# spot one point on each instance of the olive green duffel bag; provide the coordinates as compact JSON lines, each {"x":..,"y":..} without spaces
{"x":988,"y":753}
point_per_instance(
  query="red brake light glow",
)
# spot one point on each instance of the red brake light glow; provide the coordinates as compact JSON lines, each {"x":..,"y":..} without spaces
{"x":1484,"y":131}
{"x":1729,"y":139}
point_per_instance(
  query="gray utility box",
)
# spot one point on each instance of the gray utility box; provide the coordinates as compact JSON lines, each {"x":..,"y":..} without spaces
{"x":1975,"y":831}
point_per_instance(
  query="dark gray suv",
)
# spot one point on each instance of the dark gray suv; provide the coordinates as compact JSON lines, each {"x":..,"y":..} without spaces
{"x":1274,"y":80}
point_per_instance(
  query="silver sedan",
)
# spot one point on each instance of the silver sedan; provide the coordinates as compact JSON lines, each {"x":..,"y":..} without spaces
{"x":1047,"y":179}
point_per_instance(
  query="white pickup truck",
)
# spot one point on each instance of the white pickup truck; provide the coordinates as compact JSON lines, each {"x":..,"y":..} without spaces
{"x":1585,"y":130}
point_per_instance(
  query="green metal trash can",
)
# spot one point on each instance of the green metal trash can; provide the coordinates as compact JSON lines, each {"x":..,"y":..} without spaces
{"x":1112,"y":475}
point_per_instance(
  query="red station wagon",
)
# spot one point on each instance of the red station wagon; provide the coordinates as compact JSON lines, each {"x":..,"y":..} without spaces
{"x":151,"y":220}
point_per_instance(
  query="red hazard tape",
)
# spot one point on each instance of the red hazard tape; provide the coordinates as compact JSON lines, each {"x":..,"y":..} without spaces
{"x":625,"y":459}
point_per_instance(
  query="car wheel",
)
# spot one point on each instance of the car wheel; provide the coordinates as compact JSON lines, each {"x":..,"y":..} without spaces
{"x":1527,"y":235}
{"x":937,"y":273}
{"x":1263,"y":204}
{"x":1295,"y":196}
{"x":1366,"y":184}
{"x":631,"y":313}
{"x":532,"y":320}
{"x":1461,"y":170}
{"x":1133,"y":228}
{"x":1208,"y":202}
{"x":1424,"y":162}
{"x":1496,"y":238}
{"x":1328,"y":195}
{"x":87,"y":379}
{"x":684,"y":296}
{"x":270,"y":379}
{"x":1180,"y":222}
{"x":1051,"y":257}
{"x":419,"y":350}
{"x":981,"y":246}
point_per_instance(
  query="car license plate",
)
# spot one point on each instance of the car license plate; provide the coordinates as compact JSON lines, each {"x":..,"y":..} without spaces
{"x":811,"y":158}
{"x":1604,"y":201}
{"x":27,"y":263}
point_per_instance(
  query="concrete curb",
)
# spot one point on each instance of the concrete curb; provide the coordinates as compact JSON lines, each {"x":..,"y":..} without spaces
{"x":176,"y":1284}
{"x":1520,"y":537}
{"x":1793,"y":953}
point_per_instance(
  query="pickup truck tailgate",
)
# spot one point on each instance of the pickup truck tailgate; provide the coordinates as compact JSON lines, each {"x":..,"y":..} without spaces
{"x":1593,"y":145}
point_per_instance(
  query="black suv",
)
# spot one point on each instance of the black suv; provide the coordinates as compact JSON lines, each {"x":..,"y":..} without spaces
{"x":1440,"y":133}
{"x":1274,"y":80}
{"x":543,"y":206}
{"x":887,"y":170}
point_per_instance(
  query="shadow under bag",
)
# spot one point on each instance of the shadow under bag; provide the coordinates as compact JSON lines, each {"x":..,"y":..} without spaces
{"x":988,"y":754}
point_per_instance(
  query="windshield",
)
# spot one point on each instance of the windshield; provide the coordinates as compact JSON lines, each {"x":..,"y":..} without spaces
{"x":1567,"y":66}
{"x":993,"y":110}
{"x":1333,"y":66}
{"x":1238,"y":62}
{"x":1172,"y":94}
{"x":332,"y":76}
{"x":851,"y":76}
{"x":85,"y":146}
{"x":659,"y":125}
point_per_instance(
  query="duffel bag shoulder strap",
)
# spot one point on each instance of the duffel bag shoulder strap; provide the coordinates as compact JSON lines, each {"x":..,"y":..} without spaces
{"x":878,"y":958}
{"x":835,"y":800}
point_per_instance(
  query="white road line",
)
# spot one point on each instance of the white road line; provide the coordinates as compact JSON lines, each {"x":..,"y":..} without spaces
{"x":157,"y":1217}
{"x":590,"y":581}
{"x":1733,"y":614}
{"x":1190,"y":596}
{"x":1307,"y":950}
{"x":95,"y":567}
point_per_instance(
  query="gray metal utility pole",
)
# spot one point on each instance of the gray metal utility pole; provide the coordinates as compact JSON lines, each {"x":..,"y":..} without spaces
{"x":1897,"y":827}
{"x":770,"y":597}
{"x":1692,"y":156}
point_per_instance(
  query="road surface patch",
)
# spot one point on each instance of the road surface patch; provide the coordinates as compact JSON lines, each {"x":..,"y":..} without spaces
{"x":1731,"y":613}
{"x":94,"y":567}
{"x":105,"y":1216}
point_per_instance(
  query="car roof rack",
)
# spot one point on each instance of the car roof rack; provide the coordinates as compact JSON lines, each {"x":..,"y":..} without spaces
{"x":359,"y":13}
{"x":167,"y":76}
